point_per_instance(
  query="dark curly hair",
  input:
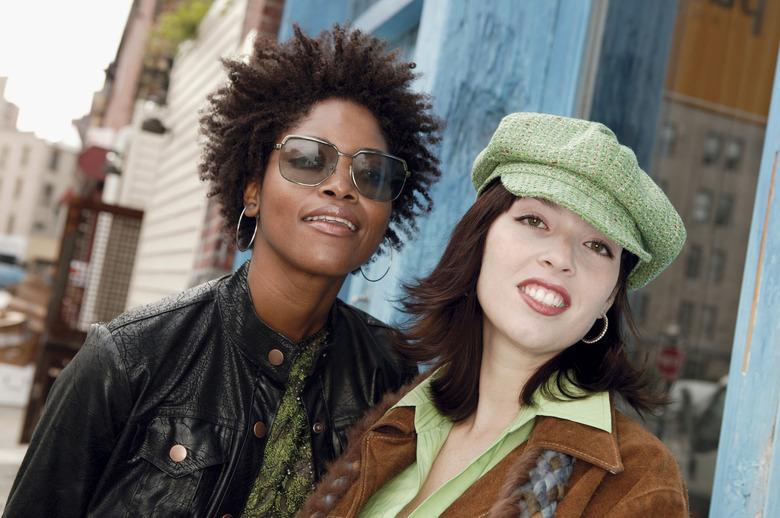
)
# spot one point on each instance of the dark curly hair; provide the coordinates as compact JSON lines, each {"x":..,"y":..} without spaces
{"x":278,"y":87}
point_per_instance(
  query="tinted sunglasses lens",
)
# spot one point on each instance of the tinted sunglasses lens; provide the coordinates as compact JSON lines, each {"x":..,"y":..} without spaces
{"x":306,"y":162}
{"x":378,"y":177}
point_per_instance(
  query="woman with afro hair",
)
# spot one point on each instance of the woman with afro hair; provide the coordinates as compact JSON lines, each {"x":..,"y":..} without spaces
{"x":229,"y":399}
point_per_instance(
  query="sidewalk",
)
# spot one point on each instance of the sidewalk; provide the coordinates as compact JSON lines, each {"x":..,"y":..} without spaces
{"x":14,"y":392}
{"x":11,"y":453}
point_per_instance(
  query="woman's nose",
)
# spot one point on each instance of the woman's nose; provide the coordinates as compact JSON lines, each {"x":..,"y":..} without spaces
{"x":340,"y":184}
{"x":559,"y":255}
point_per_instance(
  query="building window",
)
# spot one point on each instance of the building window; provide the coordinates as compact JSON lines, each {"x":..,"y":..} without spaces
{"x":702,"y":202}
{"x":709,"y":316}
{"x":685,"y":317}
{"x":732,"y":153}
{"x":54,"y":159}
{"x":46,"y":194}
{"x":717,"y":266}
{"x":18,"y":188}
{"x":712,"y":148}
{"x":39,"y":226}
{"x":724,"y":209}
{"x":9,"y":226}
{"x":3,"y":156}
{"x":667,"y":139}
{"x":693,"y":262}
{"x":25,"y":158}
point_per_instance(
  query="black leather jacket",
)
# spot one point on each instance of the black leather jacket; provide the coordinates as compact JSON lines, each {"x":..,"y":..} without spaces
{"x":191,"y":370}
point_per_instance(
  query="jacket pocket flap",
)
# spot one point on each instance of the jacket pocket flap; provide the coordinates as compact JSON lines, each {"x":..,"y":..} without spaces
{"x":180,"y":446}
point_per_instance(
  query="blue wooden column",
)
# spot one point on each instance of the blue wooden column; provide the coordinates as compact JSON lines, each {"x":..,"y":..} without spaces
{"x":480,"y":61}
{"x":631,"y":71}
{"x":747,"y":478}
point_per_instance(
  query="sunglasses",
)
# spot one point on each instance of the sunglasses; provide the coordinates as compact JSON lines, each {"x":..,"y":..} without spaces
{"x":310,"y":161}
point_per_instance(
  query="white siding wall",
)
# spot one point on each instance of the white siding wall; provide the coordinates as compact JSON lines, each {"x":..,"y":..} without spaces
{"x":175,"y":213}
{"x":141,"y":161}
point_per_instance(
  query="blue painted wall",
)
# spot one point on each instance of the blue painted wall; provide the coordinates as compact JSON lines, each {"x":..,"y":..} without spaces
{"x":479,"y":61}
{"x":312,"y":15}
{"x":747,"y":479}
{"x":632,"y":70}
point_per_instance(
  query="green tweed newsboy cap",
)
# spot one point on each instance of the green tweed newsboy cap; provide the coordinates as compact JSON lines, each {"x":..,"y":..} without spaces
{"x":581,"y":165}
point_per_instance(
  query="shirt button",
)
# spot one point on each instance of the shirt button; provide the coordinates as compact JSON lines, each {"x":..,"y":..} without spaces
{"x":259,"y":429}
{"x":178,"y":453}
{"x":275,"y":357}
{"x":318,"y":427}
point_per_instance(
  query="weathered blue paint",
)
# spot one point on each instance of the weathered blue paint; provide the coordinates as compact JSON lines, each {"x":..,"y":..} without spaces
{"x":747,"y":478}
{"x":480,"y":61}
{"x":632,"y":69}
{"x":389,"y":18}
{"x":240,"y":258}
{"x":312,"y":15}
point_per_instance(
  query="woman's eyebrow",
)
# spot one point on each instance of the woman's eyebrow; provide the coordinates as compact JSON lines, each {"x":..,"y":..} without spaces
{"x":548,"y":203}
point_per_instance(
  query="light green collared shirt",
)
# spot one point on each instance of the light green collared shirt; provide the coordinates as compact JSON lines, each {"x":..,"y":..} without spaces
{"x":432,"y":431}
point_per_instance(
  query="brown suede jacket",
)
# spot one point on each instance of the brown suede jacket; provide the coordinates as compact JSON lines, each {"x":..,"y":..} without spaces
{"x":626,"y":473}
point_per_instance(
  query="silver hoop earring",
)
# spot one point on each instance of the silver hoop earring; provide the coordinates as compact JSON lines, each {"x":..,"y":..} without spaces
{"x":601,"y":334}
{"x":238,"y":230}
{"x":383,"y":275}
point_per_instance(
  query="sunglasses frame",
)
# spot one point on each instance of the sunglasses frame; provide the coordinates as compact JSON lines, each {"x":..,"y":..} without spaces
{"x":339,"y":154}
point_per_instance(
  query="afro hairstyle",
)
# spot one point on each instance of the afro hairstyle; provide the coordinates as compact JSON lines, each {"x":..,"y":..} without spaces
{"x":278,"y":86}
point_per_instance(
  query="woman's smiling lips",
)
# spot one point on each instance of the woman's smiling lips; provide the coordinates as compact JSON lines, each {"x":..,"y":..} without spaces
{"x":333,"y":220}
{"x":543,"y":297}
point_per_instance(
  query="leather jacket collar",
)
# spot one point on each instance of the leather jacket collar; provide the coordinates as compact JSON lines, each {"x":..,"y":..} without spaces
{"x":255,"y":338}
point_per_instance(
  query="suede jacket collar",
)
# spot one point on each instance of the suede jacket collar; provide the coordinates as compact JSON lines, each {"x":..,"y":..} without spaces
{"x":625,"y":473}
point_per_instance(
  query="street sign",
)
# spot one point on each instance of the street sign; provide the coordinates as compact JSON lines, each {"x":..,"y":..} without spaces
{"x":669,"y":362}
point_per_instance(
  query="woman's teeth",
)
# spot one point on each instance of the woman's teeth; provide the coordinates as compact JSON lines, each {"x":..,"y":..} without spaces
{"x":332,"y":219}
{"x":543,"y":296}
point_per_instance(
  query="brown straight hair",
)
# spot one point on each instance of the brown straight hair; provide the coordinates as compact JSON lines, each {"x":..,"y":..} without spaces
{"x":446,"y":328}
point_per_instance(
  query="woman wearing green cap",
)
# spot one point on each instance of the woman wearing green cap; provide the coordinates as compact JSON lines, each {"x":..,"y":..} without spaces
{"x":522,"y":321}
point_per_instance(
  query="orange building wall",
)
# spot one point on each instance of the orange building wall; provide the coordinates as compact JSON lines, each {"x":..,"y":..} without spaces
{"x":712,"y":38}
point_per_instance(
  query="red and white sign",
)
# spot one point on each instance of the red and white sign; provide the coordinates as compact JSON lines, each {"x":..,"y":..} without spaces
{"x":669,"y":362}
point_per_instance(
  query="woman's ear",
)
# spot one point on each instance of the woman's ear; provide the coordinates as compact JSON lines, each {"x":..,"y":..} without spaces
{"x":251,"y":198}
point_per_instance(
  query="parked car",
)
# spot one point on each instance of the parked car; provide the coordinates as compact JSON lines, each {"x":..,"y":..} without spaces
{"x":10,"y":274}
{"x":692,"y":430}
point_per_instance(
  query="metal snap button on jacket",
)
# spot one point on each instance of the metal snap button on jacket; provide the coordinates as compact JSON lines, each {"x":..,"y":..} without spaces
{"x":178,"y":453}
{"x":259,"y":429}
{"x":275,"y":357}
{"x":318,"y":427}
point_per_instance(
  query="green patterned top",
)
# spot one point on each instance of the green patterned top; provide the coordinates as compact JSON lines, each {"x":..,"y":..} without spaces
{"x":286,"y":476}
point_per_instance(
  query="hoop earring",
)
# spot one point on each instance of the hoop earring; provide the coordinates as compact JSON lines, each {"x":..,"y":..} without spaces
{"x":238,"y":228}
{"x":601,"y":334}
{"x":383,"y":275}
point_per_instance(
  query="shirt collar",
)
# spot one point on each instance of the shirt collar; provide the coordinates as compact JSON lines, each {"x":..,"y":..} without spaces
{"x":426,"y":415}
{"x":591,"y":409}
